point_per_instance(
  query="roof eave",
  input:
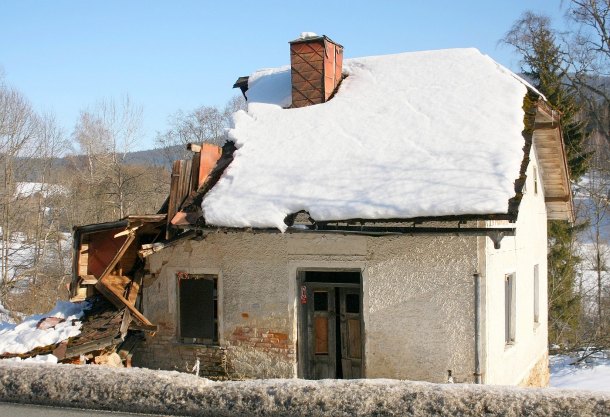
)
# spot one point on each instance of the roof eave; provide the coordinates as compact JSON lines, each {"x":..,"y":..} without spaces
{"x":553,"y":163}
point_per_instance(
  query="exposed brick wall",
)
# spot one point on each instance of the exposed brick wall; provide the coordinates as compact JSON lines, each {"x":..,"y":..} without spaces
{"x":164,"y":352}
{"x":265,"y":340}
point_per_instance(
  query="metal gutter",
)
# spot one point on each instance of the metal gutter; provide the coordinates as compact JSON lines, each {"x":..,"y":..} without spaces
{"x":496,"y":234}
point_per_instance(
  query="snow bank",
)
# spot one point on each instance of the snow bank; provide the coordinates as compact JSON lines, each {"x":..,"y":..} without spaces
{"x":163,"y":392}
{"x":23,"y":337}
{"x":416,"y":134}
{"x":591,"y":374}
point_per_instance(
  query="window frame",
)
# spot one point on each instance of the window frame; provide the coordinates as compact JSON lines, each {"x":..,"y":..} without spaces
{"x":215,"y":341}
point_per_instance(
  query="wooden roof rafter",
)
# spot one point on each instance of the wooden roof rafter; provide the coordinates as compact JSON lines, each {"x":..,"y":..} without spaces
{"x":552,"y":163}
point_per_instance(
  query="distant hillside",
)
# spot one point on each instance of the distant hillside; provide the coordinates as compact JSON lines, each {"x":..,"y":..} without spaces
{"x":150,"y":157}
{"x":155,"y":157}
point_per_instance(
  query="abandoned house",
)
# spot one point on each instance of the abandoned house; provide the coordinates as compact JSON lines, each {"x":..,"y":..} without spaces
{"x":377,"y":217}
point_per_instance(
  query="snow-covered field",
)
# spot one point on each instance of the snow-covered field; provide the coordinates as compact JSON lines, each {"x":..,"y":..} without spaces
{"x":591,"y":374}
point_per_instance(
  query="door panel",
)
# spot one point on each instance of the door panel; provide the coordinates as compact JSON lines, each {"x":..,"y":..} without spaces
{"x":321,"y":314}
{"x":330,"y":343}
{"x":351,"y":338}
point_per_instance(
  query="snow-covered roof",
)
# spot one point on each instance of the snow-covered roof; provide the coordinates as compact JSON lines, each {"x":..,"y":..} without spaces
{"x":410,"y":135}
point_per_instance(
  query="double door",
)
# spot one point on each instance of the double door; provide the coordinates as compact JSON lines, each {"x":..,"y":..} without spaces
{"x":331,"y":338}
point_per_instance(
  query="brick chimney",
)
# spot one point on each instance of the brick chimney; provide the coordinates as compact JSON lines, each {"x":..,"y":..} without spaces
{"x":316,"y":64}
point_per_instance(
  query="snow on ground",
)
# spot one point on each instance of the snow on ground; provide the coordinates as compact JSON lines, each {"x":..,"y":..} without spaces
{"x":587,"y":283}
{"x":28,"y":189}
{"x":416,"y":134}
{"x":21,"y":256}
{"x":23,"y":337}
{"x":592,"y":374}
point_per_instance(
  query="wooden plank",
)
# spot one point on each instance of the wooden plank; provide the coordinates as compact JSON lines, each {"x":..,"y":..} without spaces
{"x":87,"y":280}
{"x":91,"y":346}
{"x":83,"y":259}
{"x":118,"y":282}
{"x":321,"y":334}
{"x":546,"y":126}
{"x":116,"y":259}
{"x":346,"y":365}
{"x":134,"y":288}
{"x":173,"y":192}
{"x":354,"y":340}
{"x":125,"y":323}
{"x":195,"y":171}
{"x":118,"y":300}
{"x":127,"y":231}
{"x":563,"y":199}
{"x":115,"y":295}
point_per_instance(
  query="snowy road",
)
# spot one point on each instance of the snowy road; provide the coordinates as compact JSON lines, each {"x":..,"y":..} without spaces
{"x":29,"y":410}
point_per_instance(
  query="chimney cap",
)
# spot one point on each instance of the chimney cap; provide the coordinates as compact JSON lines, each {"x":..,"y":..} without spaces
{"x":312,"y":36}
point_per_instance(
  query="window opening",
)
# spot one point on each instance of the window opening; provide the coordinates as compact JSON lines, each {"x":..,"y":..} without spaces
{"x":198,"y":300}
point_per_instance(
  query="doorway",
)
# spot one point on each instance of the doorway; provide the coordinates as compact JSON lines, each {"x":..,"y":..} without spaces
{"x":330,"y":325}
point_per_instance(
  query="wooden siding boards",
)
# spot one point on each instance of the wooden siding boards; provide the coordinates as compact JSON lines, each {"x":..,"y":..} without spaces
{"x":180,"y":189}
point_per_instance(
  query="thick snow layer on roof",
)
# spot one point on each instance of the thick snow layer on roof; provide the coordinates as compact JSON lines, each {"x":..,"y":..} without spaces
{"x":416,"y":134}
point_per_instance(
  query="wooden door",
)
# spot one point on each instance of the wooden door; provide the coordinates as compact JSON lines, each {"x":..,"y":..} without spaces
{"x":351,"y":335}
{"x":321,"y":332}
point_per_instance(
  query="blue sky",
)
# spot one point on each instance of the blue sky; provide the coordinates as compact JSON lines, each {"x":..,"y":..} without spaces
{"x":66,"y":55}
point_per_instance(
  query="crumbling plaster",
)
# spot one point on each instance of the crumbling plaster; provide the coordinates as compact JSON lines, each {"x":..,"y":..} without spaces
{"x":418,"y":299}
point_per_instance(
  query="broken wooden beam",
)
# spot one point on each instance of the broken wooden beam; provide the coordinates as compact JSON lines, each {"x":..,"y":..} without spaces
{"x":193,"y":147}
{"x":120,"y":301}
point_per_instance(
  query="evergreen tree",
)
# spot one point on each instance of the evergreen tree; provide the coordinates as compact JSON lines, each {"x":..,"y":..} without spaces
{"x":542,"y":63}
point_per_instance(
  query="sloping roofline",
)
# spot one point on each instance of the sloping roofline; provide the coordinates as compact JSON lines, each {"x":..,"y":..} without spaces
{"x":553,"y":163}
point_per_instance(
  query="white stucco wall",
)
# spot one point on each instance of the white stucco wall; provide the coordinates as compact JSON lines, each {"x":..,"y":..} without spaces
{"x":418,"y":298}
{"x":417,"y":294}
{"x":510,"y":364}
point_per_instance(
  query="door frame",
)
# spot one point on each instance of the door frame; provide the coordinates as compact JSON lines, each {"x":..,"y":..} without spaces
{"x":301,"y":313}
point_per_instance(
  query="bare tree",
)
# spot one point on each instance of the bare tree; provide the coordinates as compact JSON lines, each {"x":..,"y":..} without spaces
{"x":31,"y":244}
{"x":106,"y":134}
{"x":205,"y":124}
{"x":18,"y":129}
{"x":588,"y":56}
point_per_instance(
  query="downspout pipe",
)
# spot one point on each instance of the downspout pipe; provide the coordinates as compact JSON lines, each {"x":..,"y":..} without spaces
{"x":478,"y":348}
